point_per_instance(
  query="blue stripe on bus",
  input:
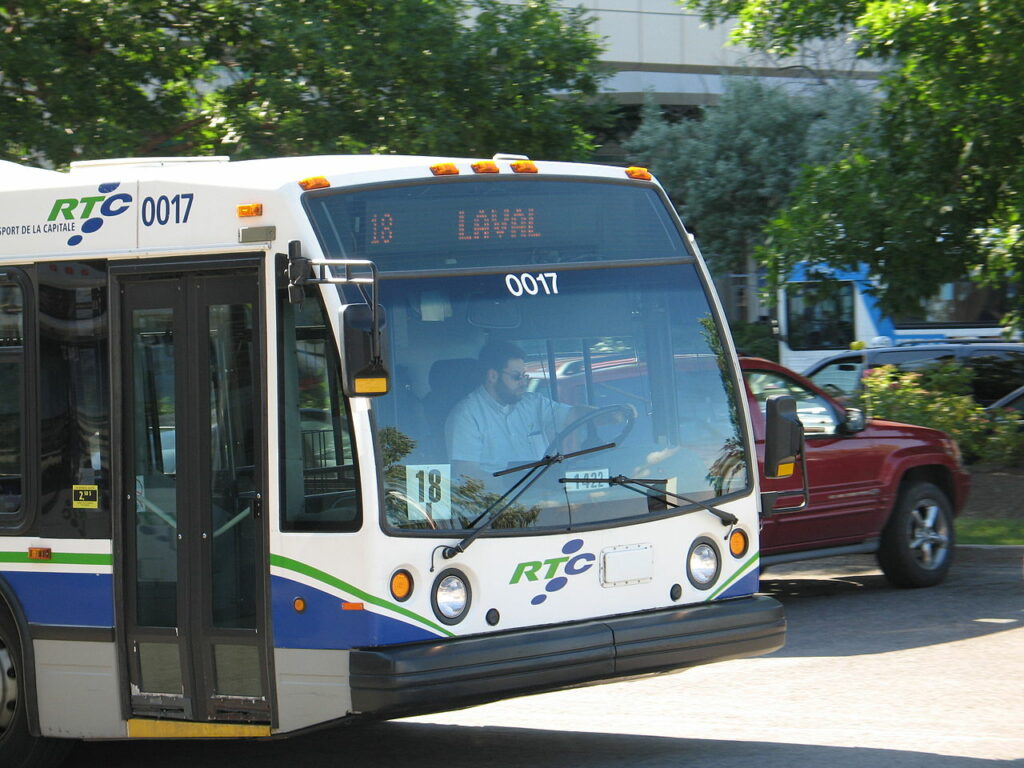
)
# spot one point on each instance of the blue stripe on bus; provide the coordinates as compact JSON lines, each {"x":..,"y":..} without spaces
{"x":325,"y":624}
{"x":743,"y":587}
{"x":69,"y":599}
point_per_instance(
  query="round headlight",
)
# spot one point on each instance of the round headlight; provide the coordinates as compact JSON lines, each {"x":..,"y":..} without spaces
{"x":703,"y":563}
{"x":451,"y":596}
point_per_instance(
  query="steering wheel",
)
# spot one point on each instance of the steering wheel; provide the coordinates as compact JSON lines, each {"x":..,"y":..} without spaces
{"x":589,"y":419}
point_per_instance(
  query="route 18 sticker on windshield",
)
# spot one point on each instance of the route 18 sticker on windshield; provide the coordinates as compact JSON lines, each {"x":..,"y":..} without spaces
{"x":428,"y":490}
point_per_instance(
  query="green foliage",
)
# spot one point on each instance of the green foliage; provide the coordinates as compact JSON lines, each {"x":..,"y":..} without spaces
{"x":89,"y":78}
{"x":755,"y":340}
{"x":934,"y":191}
{"x":733,"y":171}
{"x":970,"y":530}
{"x":936,"y":400}
{"x":780,"y":26}
{"x":947,"y":379}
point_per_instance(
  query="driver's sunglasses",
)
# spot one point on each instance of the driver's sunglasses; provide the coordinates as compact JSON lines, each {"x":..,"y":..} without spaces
{"x":517,"y":376}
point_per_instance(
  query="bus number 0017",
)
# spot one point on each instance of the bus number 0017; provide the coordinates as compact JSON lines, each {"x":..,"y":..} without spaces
{"x":166,"y":210}
{"x":531,"y":285}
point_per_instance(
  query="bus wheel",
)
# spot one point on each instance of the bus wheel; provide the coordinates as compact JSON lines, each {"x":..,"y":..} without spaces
{"x":18,"y":747}
{"x":917,"y":543}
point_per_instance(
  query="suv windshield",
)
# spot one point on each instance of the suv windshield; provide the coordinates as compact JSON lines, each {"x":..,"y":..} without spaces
{"x":493,"y":371}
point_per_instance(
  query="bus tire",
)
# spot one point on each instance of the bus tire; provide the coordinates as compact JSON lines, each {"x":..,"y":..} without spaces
{"x":916,"y":549}
{"x":18,"y":747}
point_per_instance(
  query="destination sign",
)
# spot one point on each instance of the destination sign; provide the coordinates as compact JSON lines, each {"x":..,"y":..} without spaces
{"x":481,"y":223}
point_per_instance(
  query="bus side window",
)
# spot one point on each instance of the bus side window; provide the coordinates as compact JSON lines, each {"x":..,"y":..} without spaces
{"x":12,"y":363}
{"x":321,"y":491}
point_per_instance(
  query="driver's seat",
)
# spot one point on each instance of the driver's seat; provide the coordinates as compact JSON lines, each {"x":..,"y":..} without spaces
{"x":450,"y":380}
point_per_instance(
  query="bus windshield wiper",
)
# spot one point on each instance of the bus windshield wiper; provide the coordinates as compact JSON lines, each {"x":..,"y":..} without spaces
{"x":509,"y":497}
{"x":643,"y":486}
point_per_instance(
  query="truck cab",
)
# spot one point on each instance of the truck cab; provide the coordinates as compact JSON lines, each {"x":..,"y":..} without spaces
{"x":874,"y":486}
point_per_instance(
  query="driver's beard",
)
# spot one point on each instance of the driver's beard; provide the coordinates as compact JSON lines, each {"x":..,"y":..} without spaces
{"x":508,"y":395}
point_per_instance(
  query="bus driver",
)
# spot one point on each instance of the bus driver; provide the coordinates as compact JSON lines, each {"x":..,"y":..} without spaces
{"x":500,"y":424}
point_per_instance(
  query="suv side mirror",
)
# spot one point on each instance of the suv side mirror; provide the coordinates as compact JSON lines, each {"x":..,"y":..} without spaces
{"x":784,"y":437}
{"x":853,"y":421}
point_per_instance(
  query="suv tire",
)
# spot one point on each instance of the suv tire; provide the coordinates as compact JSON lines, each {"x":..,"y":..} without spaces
{"x":917,"y":543}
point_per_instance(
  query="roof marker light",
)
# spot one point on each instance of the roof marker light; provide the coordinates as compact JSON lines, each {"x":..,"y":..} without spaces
{"x":636,"y":172}
{"x":524,"y":166}
{"x":314,"y":182}
{"x":445,"y":169}
{"x":486,"y":166}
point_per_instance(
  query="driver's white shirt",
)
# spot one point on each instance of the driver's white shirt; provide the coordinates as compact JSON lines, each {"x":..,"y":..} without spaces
{"x":497,"y":435}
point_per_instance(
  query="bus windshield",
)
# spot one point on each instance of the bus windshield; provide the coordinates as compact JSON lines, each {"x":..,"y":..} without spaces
{"x":538,"y":317}
{"x":625,"y":364}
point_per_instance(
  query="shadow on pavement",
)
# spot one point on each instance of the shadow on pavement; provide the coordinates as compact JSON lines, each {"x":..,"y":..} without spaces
{"x":828,"y":615}
{"x":399,"y":745}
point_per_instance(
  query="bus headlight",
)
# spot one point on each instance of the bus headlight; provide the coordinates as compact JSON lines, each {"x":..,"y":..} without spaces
{"x":703,"y":563}
{"x":451,"y":596}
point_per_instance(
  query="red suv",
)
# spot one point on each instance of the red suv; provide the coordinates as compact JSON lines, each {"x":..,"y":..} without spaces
{"x":880,"y":487}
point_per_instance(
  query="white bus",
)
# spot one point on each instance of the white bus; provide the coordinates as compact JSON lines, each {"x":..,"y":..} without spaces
{"x":819,"y":319}
{"x":228,"y":501}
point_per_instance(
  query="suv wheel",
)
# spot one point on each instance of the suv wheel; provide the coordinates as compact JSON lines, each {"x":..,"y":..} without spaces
{"x":917,"y":543}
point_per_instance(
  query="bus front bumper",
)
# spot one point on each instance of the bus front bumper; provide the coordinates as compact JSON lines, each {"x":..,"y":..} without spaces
{"x":437,"y":676}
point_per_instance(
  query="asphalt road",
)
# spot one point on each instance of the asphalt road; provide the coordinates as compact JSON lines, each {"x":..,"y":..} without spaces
{"x":870,"y":676}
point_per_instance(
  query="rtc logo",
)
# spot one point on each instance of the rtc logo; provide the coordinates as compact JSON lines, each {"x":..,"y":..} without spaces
{"x":571,"y":564}
{"x":83,"y":208}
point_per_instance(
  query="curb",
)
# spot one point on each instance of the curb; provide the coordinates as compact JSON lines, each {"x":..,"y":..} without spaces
{"x":990,"y":552}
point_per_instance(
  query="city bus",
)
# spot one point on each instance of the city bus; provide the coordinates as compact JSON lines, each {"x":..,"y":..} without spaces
{"x":819,"y":318}
{"x":227,"y":502}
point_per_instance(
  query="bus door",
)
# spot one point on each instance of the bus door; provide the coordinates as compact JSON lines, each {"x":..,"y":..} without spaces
{"x":194,"y":542}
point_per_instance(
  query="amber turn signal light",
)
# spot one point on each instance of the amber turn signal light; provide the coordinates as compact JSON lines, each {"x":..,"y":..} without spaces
{"x":739,"y":543}
{"x":401,"y":585}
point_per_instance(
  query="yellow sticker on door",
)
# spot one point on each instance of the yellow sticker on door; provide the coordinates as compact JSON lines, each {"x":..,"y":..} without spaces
{"x":86,"y":497}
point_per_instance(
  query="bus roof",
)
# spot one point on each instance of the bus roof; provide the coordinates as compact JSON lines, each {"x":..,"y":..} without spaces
{"x":139,"y":207}
{"x":21,"y":175}
{"x":262,"y":174}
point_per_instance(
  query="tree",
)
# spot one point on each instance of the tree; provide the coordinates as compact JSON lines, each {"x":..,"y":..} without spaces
{"x":934,"y":190}
{"x":733,"y":171}
{"x":136,"y":77}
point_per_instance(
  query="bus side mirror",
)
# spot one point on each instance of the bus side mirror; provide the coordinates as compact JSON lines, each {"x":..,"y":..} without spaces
{"x":363,"y":359}
{"x":784,"y":437}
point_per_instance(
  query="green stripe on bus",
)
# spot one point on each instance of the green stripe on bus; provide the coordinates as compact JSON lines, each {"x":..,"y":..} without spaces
{"x":326,"y":578}
{"x":742,"y":571}
{"x":58,"y":558}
